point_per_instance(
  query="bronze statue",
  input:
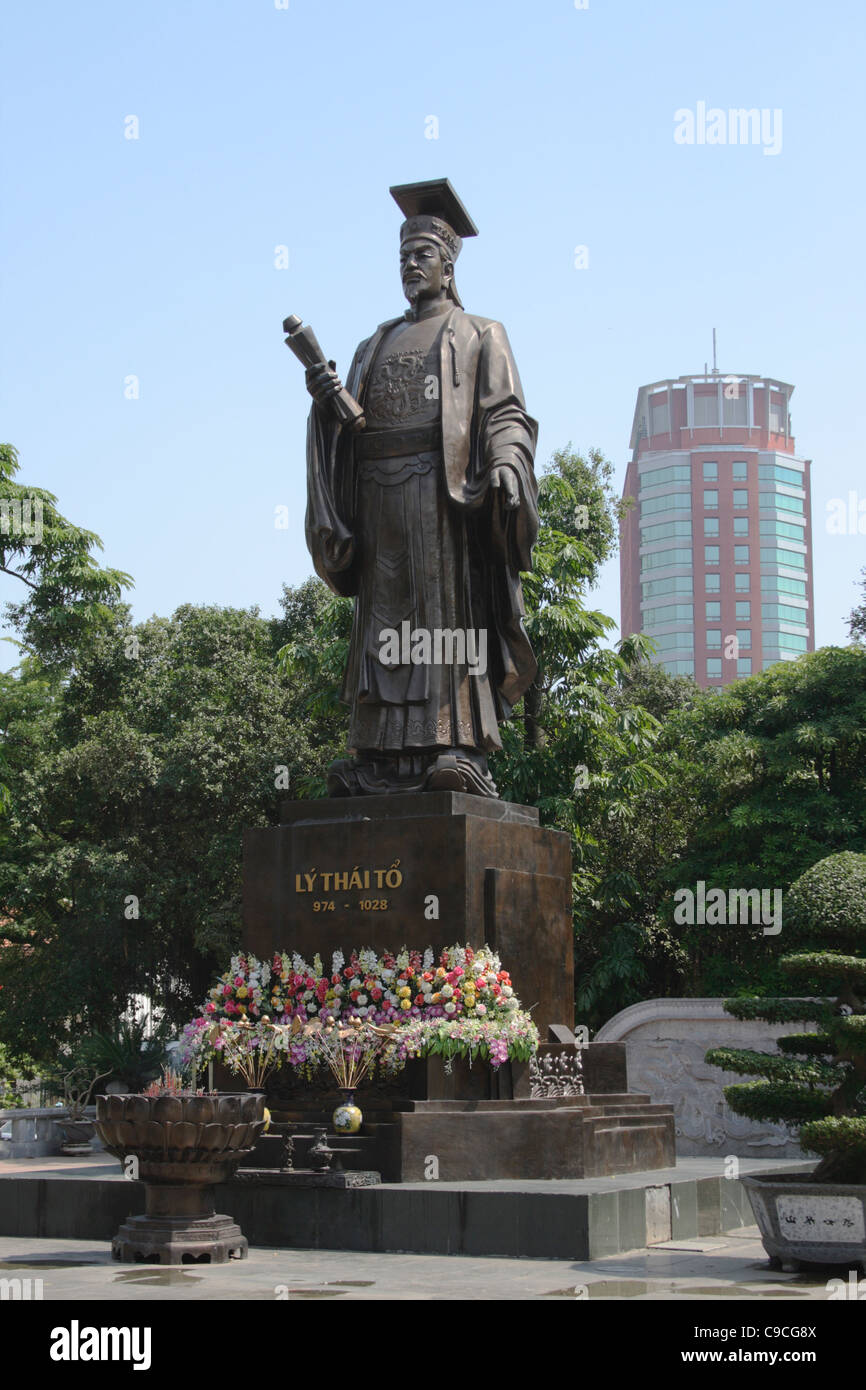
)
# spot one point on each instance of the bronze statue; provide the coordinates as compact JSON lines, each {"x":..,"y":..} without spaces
{"x":422,"y":505}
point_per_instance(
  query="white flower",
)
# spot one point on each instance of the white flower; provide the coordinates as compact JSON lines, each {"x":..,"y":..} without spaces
{"x":511,"y":1004}
{"x":307,"y":994}
{"x":339,"y":991}
{"x":362,"y":998}
{"x":427,"y":963}
{"x":450,"y":1008}
{"x":338,"y":960}
{"x":311,"y":1007}
{"x":388,"y":974}
{"x":447,"y":991}
{"x":481,"y":1010}
{"x":507,"y":991}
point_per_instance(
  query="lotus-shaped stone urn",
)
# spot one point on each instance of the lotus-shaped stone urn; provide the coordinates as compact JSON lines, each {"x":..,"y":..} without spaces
{"x":180,"y":1147}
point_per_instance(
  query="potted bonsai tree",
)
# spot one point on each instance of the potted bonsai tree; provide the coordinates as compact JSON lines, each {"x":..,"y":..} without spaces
{"x":817,"y":1080}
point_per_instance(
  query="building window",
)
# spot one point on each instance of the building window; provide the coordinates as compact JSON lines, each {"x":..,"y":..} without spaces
{"x":741,"y":525}
{"x":779,"y":584}
{"x":744,"y":666}
{"x":741,"y":554}
{"x":775,"y":472}
{"x":711,"y":525}
{"x":711,"y":472}
{"x":711,"y":554}
{"x":713,"y":612}
{"x":669,"y":613}
{"x":735,"y":409}
{"x":714,"y":668}
{"x":794,"y":559}
{"x":712,"y":583}
{"x":741,"y":497}
{"x":665,"y":531}
{"x":706,"y":409}
{"x":714,"y":637}
{"x":674,"y":502}
{"x":740,"y":470}
{"x":784,"y":613}
{"x":669,"y":641}
{"x":711,"y":497}
{"x":778,"y":417}
{"x":675,"y":473}
{"x":676,"y":584}
{"x":742,"y":583}
{"x":781,"y":502}
{"x":661,"y":420}
{"x":744,"y":637}
{"x":744,"y":611}
{"x":791,"y":530}
{"x":660,"y":559}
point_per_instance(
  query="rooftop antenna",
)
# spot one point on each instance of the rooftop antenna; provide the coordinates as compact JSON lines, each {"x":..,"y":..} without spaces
{"x":715,"y":368}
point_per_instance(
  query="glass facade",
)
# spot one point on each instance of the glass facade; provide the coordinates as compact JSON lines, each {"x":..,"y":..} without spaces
{"x":660,"y":559}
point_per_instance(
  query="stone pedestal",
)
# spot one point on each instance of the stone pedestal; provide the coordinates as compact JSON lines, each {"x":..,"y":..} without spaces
{"x":437,"y":869}
{"x":417,"y":871}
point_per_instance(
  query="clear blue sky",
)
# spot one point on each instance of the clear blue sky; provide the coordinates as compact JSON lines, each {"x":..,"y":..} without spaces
{"x":261,"y":126}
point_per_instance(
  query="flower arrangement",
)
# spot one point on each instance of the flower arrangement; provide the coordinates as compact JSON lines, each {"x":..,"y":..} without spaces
{"x":350,"y":1050}
{"x":464,"y":1005}
{"x":171,"y":1083}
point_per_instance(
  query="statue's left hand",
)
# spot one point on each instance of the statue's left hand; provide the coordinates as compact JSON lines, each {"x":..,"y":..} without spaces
{"x":504,"y":477}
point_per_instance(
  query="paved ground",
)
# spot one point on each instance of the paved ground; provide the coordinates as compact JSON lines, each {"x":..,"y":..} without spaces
{"x":730,"y":1267}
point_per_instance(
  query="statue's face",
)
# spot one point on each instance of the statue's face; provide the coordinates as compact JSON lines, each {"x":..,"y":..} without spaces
{"x":424,"y":272}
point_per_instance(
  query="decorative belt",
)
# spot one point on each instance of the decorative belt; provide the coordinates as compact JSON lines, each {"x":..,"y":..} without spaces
{"x":389,"y":444}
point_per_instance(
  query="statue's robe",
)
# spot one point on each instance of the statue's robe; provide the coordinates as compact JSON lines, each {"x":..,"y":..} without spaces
{"x":402,"y":516}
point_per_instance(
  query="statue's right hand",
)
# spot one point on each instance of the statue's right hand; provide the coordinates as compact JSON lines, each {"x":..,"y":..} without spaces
{"x":323,"y":382}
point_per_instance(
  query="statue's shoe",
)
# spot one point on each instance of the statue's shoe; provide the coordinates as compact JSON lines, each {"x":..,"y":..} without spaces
{"x":445,"y":775}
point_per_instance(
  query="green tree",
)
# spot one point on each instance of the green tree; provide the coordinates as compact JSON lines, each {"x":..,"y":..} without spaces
{"x":857,"y":621}
{"x":69,"y":594}
{"x":817,"y":1080}
{"x":774,"y":770}
{"x":120,"y":871}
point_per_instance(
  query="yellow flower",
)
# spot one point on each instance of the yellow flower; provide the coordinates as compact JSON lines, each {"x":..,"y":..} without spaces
{"x":242,"y":992}
{"x":405,"y":992}
{"x":406,"y":1003}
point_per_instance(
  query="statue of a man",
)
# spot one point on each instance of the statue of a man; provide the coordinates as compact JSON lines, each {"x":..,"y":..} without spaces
{"x":427,"y":517}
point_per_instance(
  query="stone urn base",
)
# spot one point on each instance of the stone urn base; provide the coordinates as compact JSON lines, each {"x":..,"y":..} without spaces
{"x":179,"y":1227}
{"x":809,"y":1222}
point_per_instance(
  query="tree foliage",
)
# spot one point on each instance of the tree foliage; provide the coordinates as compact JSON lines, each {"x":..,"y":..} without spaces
{"x":817,"y":1081}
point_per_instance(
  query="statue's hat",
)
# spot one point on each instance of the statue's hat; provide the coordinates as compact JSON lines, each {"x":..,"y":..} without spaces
{"x":432,"y":209}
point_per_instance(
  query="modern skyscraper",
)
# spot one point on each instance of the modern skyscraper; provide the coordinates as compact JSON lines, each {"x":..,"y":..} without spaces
{"x":716,"y":553}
